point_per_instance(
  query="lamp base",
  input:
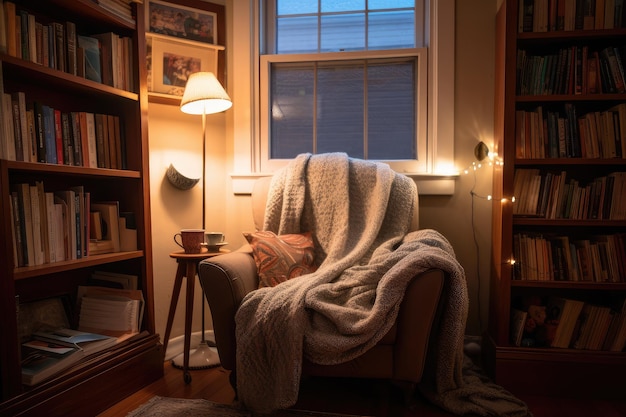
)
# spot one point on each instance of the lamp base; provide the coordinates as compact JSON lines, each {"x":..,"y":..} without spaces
{"x":201,"y":358}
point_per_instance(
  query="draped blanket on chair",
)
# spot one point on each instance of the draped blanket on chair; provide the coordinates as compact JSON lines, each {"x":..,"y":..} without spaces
{"x":360,"y":213}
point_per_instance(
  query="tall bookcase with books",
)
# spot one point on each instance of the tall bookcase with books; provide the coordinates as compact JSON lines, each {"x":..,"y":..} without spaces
{"x":559,"y":219}
{"x":74,"y":151}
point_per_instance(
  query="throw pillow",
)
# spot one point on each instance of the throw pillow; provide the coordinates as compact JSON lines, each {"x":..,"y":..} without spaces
{"x":281,"y":257}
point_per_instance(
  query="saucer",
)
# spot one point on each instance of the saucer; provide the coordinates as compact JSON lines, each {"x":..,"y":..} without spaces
{"x":214,"y":248}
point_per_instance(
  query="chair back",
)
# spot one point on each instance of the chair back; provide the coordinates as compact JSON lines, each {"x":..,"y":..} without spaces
{"x":259,"y":199}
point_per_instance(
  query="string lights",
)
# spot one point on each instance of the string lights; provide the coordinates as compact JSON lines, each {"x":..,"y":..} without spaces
{"x":482,"y":153}
{"x":485,"y":159}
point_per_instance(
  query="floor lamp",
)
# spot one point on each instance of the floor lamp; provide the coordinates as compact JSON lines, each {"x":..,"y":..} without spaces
{"x":203,"y":95}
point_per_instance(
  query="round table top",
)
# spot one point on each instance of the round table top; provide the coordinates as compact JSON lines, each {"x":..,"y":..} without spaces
{"x":197,"y":256}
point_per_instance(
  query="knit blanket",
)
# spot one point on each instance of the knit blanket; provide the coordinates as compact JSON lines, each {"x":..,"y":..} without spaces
{"x":360,"y":212}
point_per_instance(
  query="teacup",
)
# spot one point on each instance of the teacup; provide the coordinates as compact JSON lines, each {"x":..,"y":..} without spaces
{"x":214,"y":238}
{"x":191,"y":240}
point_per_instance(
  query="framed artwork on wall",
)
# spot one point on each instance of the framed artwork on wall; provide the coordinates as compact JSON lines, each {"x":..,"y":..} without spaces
{"x":171,"y":61}
{"x":182,"y":22}
{"x":182,"y":37}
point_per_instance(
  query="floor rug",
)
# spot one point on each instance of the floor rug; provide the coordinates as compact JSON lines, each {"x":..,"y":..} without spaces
{"x":178,"y":407}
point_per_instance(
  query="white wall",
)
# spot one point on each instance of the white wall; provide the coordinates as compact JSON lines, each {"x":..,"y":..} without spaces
{"x":176,"y":138}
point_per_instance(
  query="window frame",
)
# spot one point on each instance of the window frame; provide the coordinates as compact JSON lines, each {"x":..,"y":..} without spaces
{"x":421,"y":86}
{"x":244,"y":119}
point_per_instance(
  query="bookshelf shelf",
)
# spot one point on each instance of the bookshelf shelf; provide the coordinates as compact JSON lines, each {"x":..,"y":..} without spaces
{"x":573,"y":35}
{"x":551,"y":231}
{"x":570,"y":98}
{"x":577,"y":285}
{"x":61,"y":266}
{"x":98,"y":143}
{"x":56,"y":79}
{"x":52,"y":169}
{"x":570,"y":161}
{"x":525,"y":221}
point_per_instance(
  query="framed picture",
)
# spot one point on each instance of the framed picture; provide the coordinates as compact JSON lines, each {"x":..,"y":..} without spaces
{"x":172,"y":60}
{"x":183,"y":22}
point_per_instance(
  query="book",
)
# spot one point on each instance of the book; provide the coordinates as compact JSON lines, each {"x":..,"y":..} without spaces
{"x":109,"y":212}
{"x":60,"y":46}
{"x":9,"y":16}
{"x":88,"y":139}
{"x":91,"y":48}
{"x":77,"y":142}
{"x":70,"y":41}
{"x":3,"y":30}
{"x":39,"y":364}
{"x":49,"y":353}
{"x":18,"y":230}
{"x":49,"y":134}
{"x":43,"y":220}
{"x":27,"y":146}
{"x":108,"y":58}
{"x":518,"y":321}
{"x":26,"y":219}
{"x":81,"y":221}
{"x":71,"y":214}
{"x":61,"y":147}
{"x":53,"y":230}
{"x":39,"y":131}
{"x":88,"y":342}
{"x":565,"y":313}
{"x":102,"y":141}
{"x":8,"y":150}
{"x":113,"y":142}
{"x":68,"y":142}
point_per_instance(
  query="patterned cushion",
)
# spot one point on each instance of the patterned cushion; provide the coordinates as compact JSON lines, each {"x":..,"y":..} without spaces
{"x":283,"y":257}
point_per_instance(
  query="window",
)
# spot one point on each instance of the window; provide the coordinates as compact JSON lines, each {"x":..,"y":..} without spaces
{"x":344,"y":75}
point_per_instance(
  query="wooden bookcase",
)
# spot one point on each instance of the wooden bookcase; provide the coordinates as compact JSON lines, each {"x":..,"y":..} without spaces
{"x":97,"y":382}
{"x":542,"y":368}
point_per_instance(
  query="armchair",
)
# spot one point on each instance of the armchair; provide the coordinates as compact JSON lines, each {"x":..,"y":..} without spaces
{"x":400,"y":355}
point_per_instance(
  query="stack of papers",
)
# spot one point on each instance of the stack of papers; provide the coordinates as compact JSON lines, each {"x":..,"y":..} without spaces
{"x":110,"y":311}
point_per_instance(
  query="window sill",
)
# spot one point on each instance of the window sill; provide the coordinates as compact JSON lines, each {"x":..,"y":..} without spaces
{"x":427,"y":184}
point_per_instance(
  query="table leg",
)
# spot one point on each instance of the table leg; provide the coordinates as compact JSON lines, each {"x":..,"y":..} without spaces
{"x":178,"y":281}
{"x":191,"y":280}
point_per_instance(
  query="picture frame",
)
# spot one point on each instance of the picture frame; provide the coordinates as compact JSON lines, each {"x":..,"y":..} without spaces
{"x":171,"y":60}
{"x":180,"y":21}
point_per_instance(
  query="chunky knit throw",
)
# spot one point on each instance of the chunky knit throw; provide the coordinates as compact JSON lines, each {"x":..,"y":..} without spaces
{"x":360,"y":213}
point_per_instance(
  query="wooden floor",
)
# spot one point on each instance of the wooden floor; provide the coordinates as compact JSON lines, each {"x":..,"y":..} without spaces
{"x":369,"y":398}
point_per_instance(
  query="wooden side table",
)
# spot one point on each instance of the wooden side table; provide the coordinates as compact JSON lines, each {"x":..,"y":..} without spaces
{"x":187,"y":267}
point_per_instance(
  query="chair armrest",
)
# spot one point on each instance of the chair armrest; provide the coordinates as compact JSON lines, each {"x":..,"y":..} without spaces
{"x":225,"y":280}
{"x":419,"y":313}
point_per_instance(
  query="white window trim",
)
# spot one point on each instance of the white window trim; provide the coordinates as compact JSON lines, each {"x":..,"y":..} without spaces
{"x":421,"y":112}
{"x":440,"y":173}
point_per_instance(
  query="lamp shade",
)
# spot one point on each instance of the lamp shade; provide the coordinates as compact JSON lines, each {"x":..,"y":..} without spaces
{"x":204,"y":95}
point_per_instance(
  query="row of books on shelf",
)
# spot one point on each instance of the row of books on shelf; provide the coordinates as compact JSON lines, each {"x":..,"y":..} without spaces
{"x":568,"y":323}
{"x":555,"y":15}
{"x":35,"y":132}
{"x":55,"y":226}
{"x":574,"y":70}
{"x":103,"y":57}
{"x":598,"y":258}
{"x":106,"y":317}
{"x":554,"y":133}
{"x":552,"y":195}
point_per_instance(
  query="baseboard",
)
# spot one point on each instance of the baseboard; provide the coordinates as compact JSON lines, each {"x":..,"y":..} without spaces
{"x":176,"y":344}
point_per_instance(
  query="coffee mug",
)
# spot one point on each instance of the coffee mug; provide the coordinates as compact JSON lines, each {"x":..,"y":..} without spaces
{"x":214,"y":238}
{"x":191,"y":240}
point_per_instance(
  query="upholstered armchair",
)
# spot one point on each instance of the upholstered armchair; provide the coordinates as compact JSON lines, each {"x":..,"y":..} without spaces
{"x":401,"y":355}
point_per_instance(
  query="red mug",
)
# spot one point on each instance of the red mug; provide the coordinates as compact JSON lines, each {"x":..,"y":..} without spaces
{"x":190,"y":240}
